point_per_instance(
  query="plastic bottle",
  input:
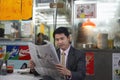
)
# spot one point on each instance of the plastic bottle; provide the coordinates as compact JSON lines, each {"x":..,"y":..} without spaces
{"x":4,"y":69}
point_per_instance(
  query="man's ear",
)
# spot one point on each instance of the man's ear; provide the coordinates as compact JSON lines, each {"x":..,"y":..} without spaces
{"x":69,"y":38}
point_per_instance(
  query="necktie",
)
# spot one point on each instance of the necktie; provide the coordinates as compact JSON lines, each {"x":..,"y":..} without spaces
{"x":63,"y":58}
{"x":63,"y":63}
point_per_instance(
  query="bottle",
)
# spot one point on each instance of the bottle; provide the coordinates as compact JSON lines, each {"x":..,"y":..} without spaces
{"x":110,"y":41}
{"x":4,"y":69}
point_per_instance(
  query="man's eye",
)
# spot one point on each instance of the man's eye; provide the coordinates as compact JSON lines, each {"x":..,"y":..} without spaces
{"x":62,"y":38}
{"x":56,"y":39}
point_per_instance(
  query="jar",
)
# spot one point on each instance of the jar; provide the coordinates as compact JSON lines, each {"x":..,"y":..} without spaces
{"x":102,"y":40}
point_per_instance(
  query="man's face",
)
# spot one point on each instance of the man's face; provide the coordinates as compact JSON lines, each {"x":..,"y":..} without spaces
{"x":39,"y":38}
{"x":62,"y":41}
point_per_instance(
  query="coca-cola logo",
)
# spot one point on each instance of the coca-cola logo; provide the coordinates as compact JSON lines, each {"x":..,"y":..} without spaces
{"x":22,"y":51}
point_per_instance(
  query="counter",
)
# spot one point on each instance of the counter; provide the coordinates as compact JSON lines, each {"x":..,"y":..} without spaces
{"x":18,"y":76}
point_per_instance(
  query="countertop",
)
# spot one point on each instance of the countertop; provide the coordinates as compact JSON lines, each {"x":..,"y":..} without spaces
{"x":17,"y":76}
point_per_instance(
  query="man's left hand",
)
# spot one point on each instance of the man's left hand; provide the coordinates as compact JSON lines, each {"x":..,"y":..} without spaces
{"x":63,"y":70}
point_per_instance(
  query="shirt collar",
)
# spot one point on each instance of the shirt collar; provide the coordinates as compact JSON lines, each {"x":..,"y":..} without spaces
{"x":66,"y":51}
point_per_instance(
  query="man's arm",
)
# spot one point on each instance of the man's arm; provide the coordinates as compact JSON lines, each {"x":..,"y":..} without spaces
{"x":31,"y":65}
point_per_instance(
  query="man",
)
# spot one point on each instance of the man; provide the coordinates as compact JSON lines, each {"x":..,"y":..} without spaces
{"x":74,"y":59}
{"x":74,"y":68}
{"x":40,"y":39}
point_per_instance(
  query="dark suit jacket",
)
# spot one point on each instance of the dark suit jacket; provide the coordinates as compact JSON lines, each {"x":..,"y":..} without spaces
{"x":75,"y":63}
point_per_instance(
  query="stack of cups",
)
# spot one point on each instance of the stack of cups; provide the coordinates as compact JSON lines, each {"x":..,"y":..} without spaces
{"x":102,"y":40}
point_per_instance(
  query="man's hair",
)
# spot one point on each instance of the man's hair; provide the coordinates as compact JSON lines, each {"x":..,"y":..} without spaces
{"x":61,"y":30}
{"x":40,"y":34}
{"x":2,"y":32}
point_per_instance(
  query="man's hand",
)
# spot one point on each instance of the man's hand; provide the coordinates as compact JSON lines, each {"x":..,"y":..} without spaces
{"x":63,"y":70}
{"x":31,"y":64}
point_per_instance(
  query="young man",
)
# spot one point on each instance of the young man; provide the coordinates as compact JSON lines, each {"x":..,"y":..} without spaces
{"x":74,"y":68}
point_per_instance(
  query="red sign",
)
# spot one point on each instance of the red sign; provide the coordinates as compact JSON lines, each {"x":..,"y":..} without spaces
{"x":89,"y":63}
{"x":24,"y":53}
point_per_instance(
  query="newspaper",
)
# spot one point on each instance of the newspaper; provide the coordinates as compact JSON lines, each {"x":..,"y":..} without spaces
{"x":45,"y":58}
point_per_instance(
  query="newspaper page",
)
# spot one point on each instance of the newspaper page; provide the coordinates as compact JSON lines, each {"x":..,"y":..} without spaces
{"x":45,"y":58}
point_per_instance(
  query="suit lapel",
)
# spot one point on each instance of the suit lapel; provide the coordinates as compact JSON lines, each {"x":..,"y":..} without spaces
{"x":70,"y":58}
{"x":58,"y":53}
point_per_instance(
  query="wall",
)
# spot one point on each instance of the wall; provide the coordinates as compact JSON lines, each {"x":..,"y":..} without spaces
{"x":102,"y":64}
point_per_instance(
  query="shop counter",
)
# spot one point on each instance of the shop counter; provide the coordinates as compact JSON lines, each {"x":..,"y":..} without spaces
{"x":18,"y":76}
